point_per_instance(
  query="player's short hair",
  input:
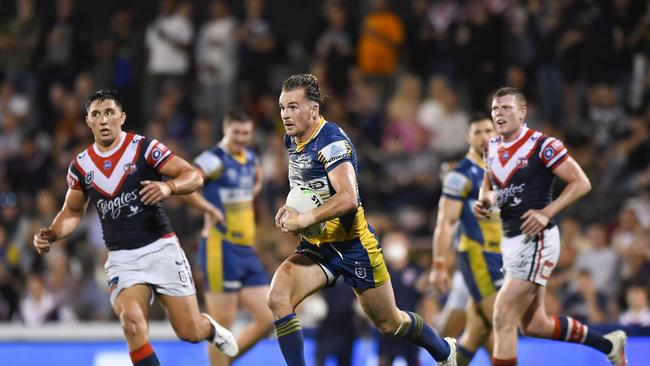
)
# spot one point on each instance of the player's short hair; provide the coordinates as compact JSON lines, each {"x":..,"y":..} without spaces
{"x":236,"y":114}
{"x":478,"y":117}
{"x":308,"y":82}
{"x":508,"y":90}
{"x":102,"y":95}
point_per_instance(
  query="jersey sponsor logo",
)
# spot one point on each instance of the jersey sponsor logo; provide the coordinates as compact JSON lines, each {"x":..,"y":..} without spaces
{"x":510,"y":193}
{"x":90,"y":176}
{"x":334,"y":152}
{"x":113,"y":207}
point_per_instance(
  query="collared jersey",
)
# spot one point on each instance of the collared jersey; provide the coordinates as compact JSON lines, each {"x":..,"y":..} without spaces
{"x":463,"y":183}
{"x":229,"y":186}
{"x":521,"y":173}
{"x":309,"y":163}
{"x":112,"y":181}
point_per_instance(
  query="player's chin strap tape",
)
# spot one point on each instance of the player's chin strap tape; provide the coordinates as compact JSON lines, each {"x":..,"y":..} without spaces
{"x":401,"y":324}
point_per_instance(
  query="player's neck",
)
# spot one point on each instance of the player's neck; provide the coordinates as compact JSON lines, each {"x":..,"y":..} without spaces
{"x":106,"y":148}
{"x":515,"y":135}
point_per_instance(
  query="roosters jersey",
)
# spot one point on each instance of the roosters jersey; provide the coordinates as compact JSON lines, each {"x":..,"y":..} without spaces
{"x":521,"y":173}
{"x":229,"y":186}
{"x":111,"y":180}
{"x":309,"y":163}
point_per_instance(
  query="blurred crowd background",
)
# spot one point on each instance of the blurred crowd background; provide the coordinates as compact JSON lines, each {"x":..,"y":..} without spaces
{"x":402,"y":78}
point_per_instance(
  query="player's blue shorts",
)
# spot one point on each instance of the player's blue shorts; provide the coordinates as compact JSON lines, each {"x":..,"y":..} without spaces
{"x":228,"y":267}
{"x":361,"y":264}
{"x":481,"y":269}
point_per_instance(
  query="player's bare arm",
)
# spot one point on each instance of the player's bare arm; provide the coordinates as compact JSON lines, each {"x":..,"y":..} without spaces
{"x":259,"y":178}
{"x":344,"y":181}
{"x":213,"y":215}
{"x":449,"y":210}
{"x":73,"y":210}
{"x":486,"y":198}
{"x":185,"y":179}
{"x":577,"y":186}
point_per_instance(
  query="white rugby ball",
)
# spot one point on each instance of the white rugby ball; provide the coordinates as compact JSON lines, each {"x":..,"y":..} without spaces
{"x":304,"y":199}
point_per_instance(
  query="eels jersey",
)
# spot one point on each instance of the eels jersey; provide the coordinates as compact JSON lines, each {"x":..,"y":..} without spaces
{"x":111,"y":180}
{"x":521,"y":174}
{"x":463,"y":183}
{"x":229,"y":186}
{"x":309,"y":163}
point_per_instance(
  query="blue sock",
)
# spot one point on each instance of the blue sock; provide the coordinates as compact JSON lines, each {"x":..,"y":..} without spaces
{"x":570,"y":330}
{"x":463,"y":355}
{"x":289,"y":334}
{"x":425,"y":337}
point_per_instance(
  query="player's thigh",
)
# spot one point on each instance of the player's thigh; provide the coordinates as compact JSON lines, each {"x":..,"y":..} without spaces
{"x":183,"y":311}
{"x":253,"y":300}
{"x":222,"y":306}
{"x":295,"y":279}
{"x":514,"y":299}
{"x":379,"y":303}
{"x":133,"y":302}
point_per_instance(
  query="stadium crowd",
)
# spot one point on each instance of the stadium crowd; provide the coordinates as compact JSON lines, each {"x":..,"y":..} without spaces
{"x":402,"y":77}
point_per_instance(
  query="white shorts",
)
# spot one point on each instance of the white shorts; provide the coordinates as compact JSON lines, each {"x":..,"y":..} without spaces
{"x":162,"y":265}
{"x":531,"y":259}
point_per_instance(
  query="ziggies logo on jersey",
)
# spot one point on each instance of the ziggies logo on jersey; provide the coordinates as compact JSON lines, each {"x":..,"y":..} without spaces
{"x":334,"y":152}
{"x":113,"y":207}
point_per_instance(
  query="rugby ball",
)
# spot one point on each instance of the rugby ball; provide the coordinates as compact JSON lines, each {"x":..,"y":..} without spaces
{"x":304,"y":199}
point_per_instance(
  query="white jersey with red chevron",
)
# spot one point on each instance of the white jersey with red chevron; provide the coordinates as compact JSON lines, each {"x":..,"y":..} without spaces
{"x":112,"y":180}
{"x":521,"y":173}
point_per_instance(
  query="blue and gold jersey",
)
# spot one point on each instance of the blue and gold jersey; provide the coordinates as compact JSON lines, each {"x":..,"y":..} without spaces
{"x":229,"y":186}
{"x":309,"y":163}
{"x":463,"y":183}
{"x":479,"y":255}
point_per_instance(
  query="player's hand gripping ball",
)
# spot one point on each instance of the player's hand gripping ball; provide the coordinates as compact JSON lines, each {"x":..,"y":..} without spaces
{"x":304,"y":199}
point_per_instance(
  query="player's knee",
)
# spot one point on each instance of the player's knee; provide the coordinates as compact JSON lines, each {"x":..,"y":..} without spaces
{"x":503,"y":321}
{"x":133,"y":322}
{"x":278,"y":301}
{"x":387,"y":327}
{"x":191,"y":332}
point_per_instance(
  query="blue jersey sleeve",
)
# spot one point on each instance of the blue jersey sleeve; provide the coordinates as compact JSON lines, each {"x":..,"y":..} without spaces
{"x":335,"y":149}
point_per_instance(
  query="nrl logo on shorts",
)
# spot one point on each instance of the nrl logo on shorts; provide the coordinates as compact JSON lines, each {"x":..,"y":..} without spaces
{"x":90,"y":176}
{"x":360,"y":272}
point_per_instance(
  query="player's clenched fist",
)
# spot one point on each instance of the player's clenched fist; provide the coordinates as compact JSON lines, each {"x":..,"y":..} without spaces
{"x":43,"y":239}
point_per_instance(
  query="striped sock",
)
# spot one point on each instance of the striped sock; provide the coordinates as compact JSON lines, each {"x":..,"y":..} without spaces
{"x":504,"y":362}
{"x":144,"y":356}
{"x":422,"y":335}
{"x":568,"y":329}
{"x":463,"y":355}
{"x":290,"y":339}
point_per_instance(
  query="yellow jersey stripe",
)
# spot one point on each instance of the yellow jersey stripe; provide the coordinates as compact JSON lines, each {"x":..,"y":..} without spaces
{"x":214,"y":249}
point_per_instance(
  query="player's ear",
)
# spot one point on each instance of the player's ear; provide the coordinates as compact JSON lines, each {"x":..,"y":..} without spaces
{"x":122,"y":118}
